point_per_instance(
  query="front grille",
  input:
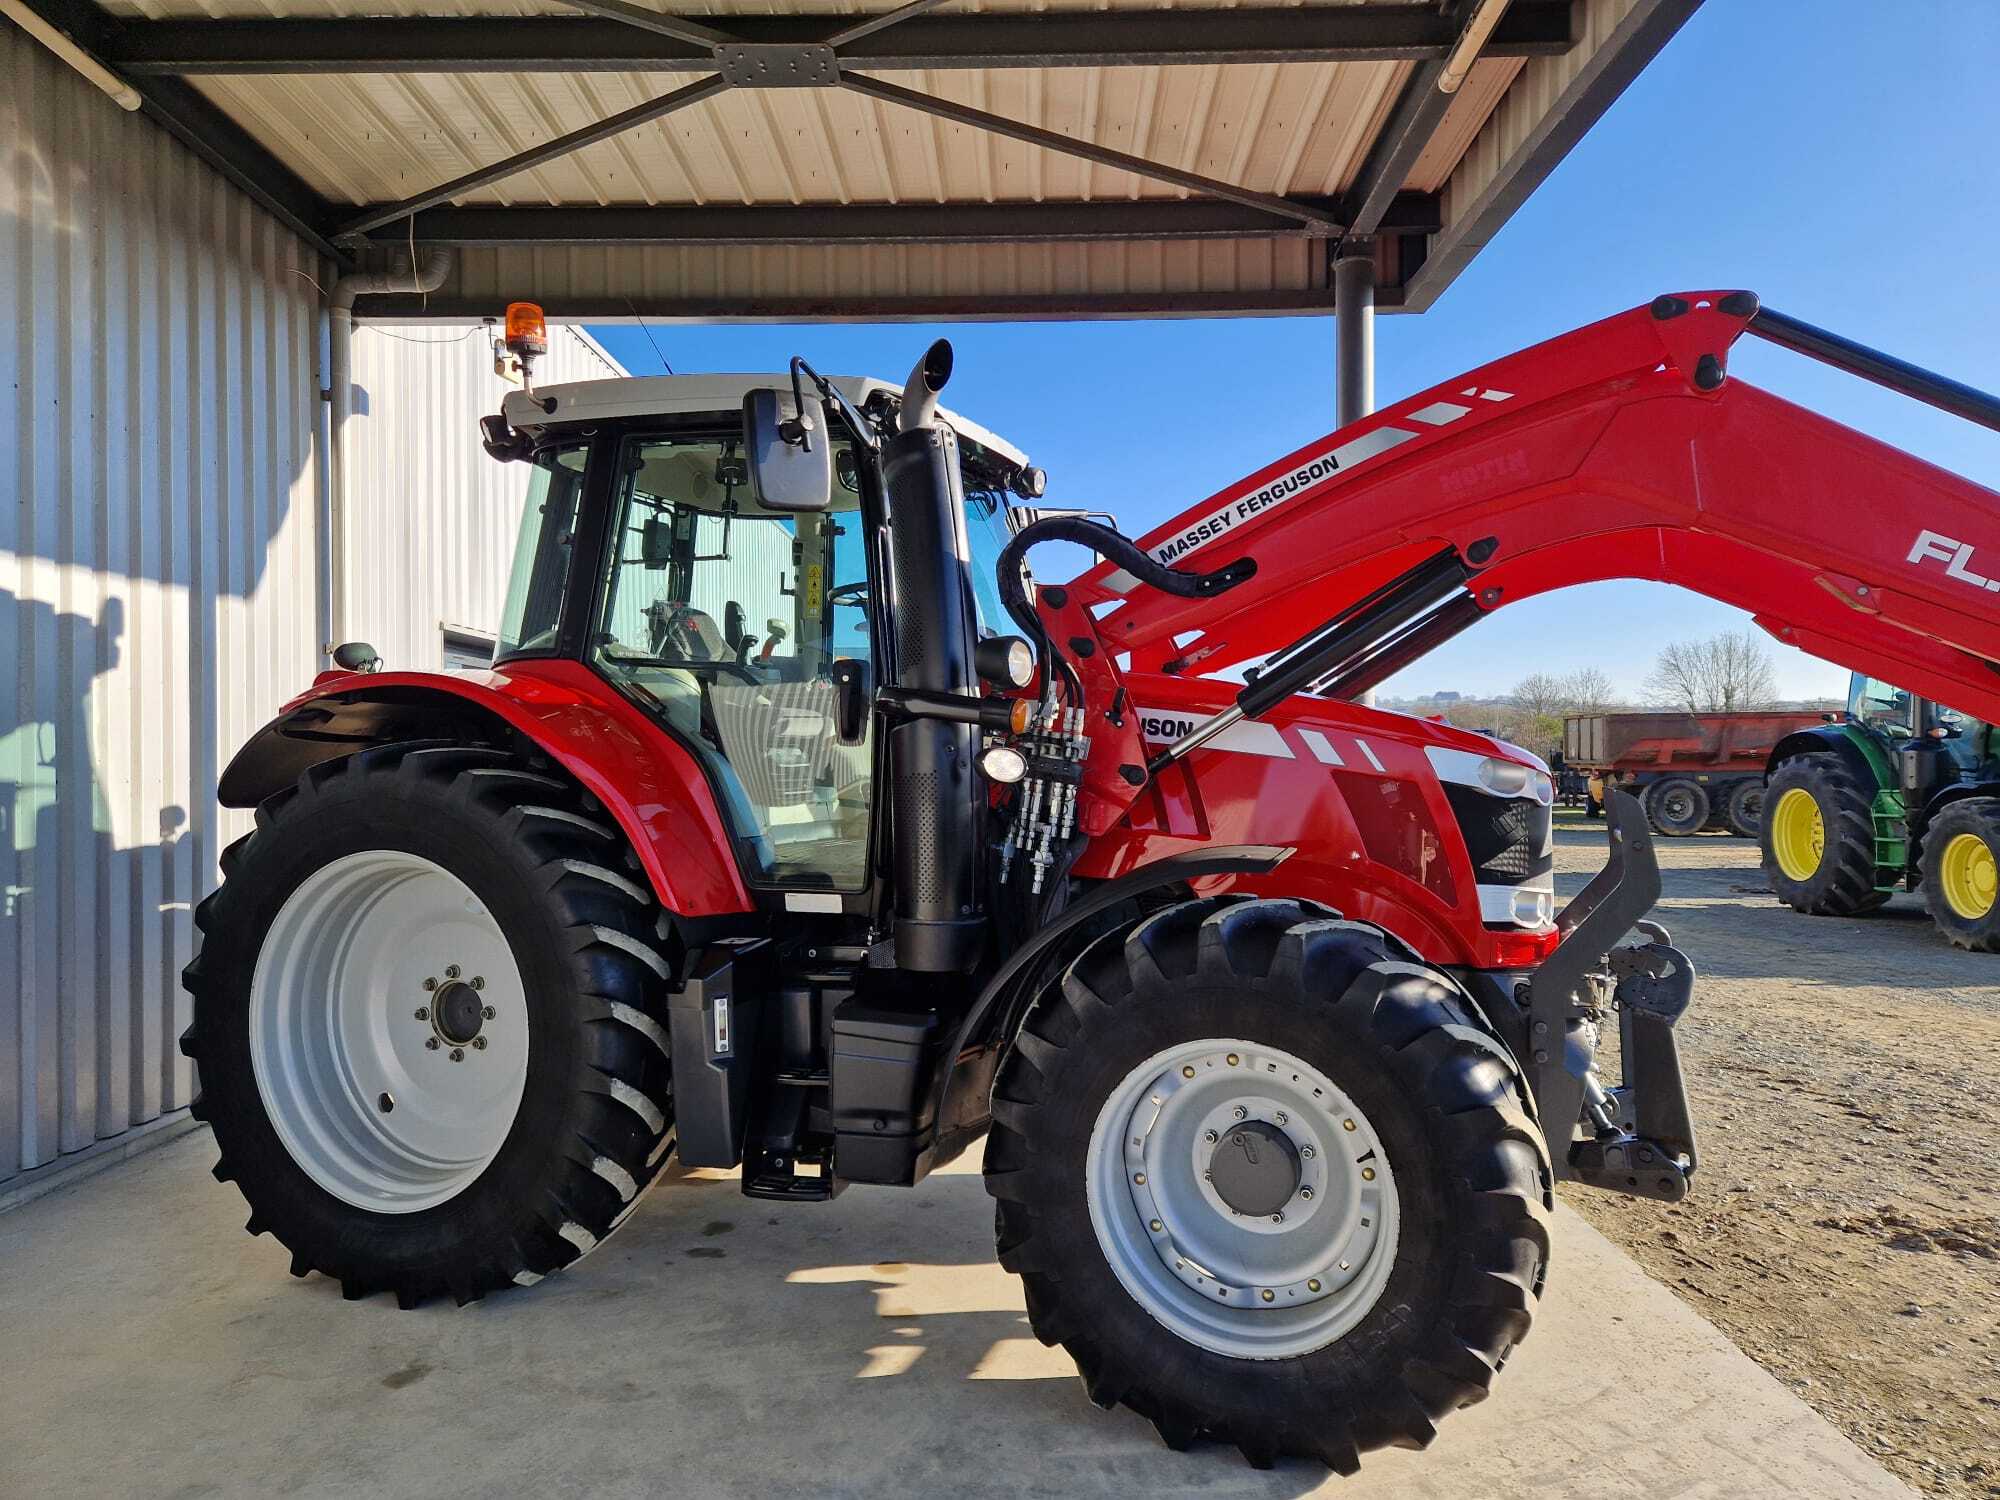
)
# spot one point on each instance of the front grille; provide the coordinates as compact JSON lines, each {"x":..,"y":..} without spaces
{"x":1509,"y":838}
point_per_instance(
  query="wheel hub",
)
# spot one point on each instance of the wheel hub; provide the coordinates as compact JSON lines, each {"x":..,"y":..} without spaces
{"x":1255,"y":1169}
{"x":458,"y":1012}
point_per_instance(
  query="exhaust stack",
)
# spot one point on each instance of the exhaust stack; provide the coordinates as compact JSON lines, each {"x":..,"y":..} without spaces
{"x":934,"y":790}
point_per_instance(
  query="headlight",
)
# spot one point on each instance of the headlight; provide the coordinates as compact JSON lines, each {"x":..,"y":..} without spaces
{"x":1004,"y":764}
{"x":1004,"y":661}
{"x":1504,"y":778}
{"x":1532,"y":907}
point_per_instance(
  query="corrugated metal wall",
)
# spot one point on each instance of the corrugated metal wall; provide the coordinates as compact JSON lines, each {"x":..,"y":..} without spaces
{"x":157,"y":517}
{"x":432,"y":518}
{"x":160,"y":512}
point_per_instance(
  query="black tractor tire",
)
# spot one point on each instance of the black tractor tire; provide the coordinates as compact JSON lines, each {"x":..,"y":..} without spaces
{"x":1745,"y":806}
{"x":595,"y":1120}
{"x":1410,"y":1050}
{"x":1843,"y":884}
{"x":1677,"y":806}
{"x":1972,"y":929}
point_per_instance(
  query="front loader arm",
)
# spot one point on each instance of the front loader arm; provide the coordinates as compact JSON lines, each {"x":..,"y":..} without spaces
{"x":1621,"y":450}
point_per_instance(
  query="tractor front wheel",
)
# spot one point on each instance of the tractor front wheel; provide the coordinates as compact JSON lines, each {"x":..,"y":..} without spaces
{"x":1267,"y":1178}
{"x":428,"y":1020}
{"x":1962,"y":873}
{"x":1818,"y":837}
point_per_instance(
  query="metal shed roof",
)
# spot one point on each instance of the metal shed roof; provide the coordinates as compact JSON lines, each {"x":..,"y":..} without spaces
{"x":946,"y":158}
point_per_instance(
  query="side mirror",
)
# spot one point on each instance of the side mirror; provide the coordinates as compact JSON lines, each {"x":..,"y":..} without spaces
{"x":791,"y":458}
{"x":853,"y":690}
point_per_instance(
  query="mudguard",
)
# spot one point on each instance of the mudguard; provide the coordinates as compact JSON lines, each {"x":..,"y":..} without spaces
{"x":647,"y":780}
{"x":960,"y":1094}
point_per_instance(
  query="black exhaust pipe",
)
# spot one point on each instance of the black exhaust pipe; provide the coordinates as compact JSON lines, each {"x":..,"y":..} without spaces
{"x":935,"y":791}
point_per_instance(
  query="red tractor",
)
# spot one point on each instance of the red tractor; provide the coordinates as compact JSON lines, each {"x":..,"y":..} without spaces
{"x":765,"y":841}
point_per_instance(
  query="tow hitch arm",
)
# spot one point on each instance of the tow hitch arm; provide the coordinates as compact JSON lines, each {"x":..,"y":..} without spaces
{"x":1636,"y":1138}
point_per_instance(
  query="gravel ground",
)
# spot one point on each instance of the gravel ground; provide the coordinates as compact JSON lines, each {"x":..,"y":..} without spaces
{"x":1844,"y":1228}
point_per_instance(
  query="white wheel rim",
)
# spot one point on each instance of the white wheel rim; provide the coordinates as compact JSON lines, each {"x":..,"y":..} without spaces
{"x":1269,"y":1287}
{"x":387,"y":1109}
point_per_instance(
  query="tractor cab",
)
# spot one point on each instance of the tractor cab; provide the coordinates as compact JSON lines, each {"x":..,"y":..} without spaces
{"x":746,"y":620}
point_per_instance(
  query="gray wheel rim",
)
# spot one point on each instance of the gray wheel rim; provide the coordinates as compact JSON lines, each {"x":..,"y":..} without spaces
{"x":388,"y":1031}
{"x":1252,"y":1287}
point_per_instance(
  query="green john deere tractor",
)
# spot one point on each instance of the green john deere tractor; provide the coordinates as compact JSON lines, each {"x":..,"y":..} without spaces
{"x":1903,"y":792}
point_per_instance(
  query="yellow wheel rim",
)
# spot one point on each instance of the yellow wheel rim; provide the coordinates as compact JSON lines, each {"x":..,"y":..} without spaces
{"x":1798,"y":834}
{"x":1969,"y":876}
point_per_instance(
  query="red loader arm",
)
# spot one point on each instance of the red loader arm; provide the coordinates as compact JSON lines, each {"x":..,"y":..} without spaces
{"x":1621,"y":450}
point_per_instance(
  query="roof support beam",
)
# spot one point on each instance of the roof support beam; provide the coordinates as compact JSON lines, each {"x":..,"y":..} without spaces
{"x":1311,"y":218}
{"x":204,"y":129}
{"x":1418,"y":112}
{"x":534,"y":156}
{"x":1042,"y":39}
{"x":706,"y":225}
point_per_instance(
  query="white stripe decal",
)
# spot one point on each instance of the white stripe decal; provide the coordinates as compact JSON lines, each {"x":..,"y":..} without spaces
{"x":1487,"y":395}
{"x":1118,"y":581}
{"x":1439,"y":412}
{"x":1322,"y":749}
{"x":1162,"y":726}
{"x":1313,"y":471}
{"x":1368,"y":751}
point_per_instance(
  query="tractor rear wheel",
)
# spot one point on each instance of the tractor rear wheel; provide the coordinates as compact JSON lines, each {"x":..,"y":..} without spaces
{"x":1818,"y":837}
{"x":429,"y":1022}
{"x":1267,"y":1178}
{"x":1678,"y":806}
{"x":1746,"y":808}
{"x":1962,"y":873}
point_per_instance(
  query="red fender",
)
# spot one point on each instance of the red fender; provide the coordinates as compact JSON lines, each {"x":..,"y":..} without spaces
{"x":647,"y":780}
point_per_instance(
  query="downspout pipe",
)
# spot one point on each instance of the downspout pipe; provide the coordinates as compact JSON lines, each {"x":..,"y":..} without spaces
{"x":426,"y":275}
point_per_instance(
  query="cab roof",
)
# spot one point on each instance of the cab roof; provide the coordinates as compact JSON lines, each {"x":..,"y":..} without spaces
{"x":659,"y":395}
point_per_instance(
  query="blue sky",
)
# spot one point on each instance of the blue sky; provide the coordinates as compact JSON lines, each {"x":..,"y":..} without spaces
{"x":1835,"y":156}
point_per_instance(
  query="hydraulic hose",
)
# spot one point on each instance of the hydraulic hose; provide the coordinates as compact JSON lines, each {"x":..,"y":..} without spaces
{"x":1114,"y":547}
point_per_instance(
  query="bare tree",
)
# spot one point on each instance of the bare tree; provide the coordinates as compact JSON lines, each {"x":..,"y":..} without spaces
{"x":1586,"y":691}
{"x":1728,"y":673}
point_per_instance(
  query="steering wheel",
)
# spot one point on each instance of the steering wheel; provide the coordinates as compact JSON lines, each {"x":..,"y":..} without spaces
{"x":684,"y":663}
{"x":849,"y":593}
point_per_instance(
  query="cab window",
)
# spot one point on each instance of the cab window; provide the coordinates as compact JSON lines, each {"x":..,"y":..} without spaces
{"x":725,"y":620}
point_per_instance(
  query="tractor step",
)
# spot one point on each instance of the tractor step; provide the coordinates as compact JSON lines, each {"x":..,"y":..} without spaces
{"x":779,"y":1179}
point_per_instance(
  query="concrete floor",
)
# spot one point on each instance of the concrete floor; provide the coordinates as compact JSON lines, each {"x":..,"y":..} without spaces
{"x":717,"y":1346}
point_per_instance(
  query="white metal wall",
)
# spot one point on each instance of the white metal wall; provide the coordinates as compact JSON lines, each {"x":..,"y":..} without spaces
{"x":162,"y":483}
{"x":157,"y":515}
{"x":431,"y":517}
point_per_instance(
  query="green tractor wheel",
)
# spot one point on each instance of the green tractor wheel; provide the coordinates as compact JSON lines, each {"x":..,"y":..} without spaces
{"x":1818,"y":837}
{"x":1961,"y":866}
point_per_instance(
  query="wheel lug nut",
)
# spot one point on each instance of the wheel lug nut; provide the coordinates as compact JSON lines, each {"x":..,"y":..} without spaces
{"x":423,"y":1012}
{"x":1304,"y":1192}
{"x":1210,"y":1136}
{"x":1242,"y":1113}
{"x":479,"y":1044}
{"x":1278,"y":1217}
{"x":458,"y":1054}
{"x":1307,"y":1152}
{"x":432,"y":1043}
{"x":488,"y":1012}
{"x":1280,"y":1117}
{"x":451,"y":971}
{"x":430,"y":984}
{"x":479,"y":981}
